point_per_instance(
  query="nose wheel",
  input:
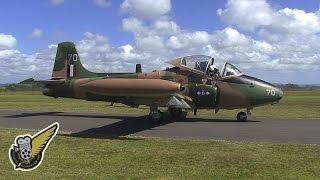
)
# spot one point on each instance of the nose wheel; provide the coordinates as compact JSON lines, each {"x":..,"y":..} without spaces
{"x":242,"y":116}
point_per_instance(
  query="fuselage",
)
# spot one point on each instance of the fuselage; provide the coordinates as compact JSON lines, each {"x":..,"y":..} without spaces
{"x":233,"y":92}
{"x":193,"y":83}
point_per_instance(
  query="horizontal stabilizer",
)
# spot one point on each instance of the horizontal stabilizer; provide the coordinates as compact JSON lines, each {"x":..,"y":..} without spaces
{"x":52,"y":81}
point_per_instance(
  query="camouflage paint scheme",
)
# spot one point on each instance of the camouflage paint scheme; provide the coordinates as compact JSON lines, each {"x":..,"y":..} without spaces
{"x":194,"y":89}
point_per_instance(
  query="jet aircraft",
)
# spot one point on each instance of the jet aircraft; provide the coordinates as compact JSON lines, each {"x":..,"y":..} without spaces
{"x":194,"y":82}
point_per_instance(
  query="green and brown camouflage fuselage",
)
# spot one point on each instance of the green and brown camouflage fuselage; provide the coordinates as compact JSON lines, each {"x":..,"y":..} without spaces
{"x":192,"y":89}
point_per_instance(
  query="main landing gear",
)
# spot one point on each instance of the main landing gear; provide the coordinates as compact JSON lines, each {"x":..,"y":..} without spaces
{"x":243,"y":116}
{"x":175,"y":112}
{"x":155,"y":114}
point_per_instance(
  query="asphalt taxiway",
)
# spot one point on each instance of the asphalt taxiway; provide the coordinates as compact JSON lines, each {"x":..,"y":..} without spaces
{"x":305,"y":131}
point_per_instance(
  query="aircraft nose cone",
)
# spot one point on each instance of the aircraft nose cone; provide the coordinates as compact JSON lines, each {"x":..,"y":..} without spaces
{"x":280,"y":92}
{"x":276,"y":95}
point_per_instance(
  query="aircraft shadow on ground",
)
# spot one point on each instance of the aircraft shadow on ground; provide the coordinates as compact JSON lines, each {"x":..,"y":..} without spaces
{"x":127,"y":125}
{"x":132,"y":125}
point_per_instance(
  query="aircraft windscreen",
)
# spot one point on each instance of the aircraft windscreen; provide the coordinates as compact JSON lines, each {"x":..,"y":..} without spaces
{"x":230,"y":70}
{"x":198,"y":62}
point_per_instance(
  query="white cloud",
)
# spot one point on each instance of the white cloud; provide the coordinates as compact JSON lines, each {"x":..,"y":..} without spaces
{"x":17,"y":66}
{"x":174,"y":43}
{"x":162,"y":26}
{"x":189,"y":40}
{"x":127,"y":53}
{"x":165,"y":27}
{"x":162,"y":39}
{"x":288,"y":38}
{"x":149,"y":9}
{"x":133,"y":25}
{"x":127,"y":48}
{"x":230,"y":37}
{"x":247,"y":14}
{"x":57,"y":2}
{"x":93,"y":43}
{"x":263,"y":46}
{"x":36,"y":33}
{"x":7,"y":42}
{"x":253,"y":14}
{"x":150,"y":43}
{"x":97,"y":55}
{"x":7,"y":54}
{"x":294,"y":21}
{"x":101,"y":3}
{"x":164,"y":33}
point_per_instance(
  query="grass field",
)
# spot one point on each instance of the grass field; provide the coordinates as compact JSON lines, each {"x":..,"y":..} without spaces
{"x":132,"y":158}
{"x":294,"y":105}
{"x":99,"y":158}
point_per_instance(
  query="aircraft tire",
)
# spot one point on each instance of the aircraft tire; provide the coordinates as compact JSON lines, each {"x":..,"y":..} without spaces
{"x":155,"y":116}
{"x":242,"y":116}
{"x":175,"y":112}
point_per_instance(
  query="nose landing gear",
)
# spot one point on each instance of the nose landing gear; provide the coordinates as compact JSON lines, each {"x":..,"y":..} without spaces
{"x":244,"y":116}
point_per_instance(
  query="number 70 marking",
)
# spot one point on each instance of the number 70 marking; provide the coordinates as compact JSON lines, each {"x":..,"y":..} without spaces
{"x":271,"y":92}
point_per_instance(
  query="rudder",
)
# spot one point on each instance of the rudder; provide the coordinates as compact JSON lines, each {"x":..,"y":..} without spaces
{"x":67,"y":63}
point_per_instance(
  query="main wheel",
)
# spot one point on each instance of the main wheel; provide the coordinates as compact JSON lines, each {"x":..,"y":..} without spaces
{"x":242,"y":116}
{"x":175,"y":112}
{"x":155,"y":116}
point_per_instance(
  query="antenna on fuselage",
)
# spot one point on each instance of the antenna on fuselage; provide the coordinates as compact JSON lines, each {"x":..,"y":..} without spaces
{"x":138,"y":68}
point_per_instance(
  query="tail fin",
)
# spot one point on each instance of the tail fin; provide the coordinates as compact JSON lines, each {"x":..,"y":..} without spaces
{"x":67,"y":63}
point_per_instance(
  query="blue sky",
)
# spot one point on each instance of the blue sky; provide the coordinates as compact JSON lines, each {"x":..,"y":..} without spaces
{"x":69,"y":20}
{"x":74,"y":18}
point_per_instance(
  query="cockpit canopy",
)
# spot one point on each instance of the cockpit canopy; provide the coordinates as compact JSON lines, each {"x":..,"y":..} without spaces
{"x":197,"y":62}
{"x":200,"y":64}
{"x":230,"y":70}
